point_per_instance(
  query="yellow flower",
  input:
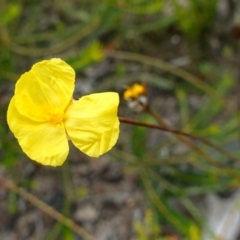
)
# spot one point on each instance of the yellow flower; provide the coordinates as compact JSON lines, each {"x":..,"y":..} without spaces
{"x":134,"y":91}
{"x":136,"y":97}
{"x":43,"y":116}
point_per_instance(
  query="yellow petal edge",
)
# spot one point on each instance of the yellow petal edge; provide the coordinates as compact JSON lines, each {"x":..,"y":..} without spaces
{"x":92,"y":123}
{"x":49,"y":85}
{"x":42,"y":142}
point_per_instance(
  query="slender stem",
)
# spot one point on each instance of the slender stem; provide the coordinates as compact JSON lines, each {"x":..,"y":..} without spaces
{"x":148,"y":125}
{"x":56,"y":48}
{"x":45,"y":208}
{"x":203,"y":140}
{"x":159,"y":204}
{"x":181,"y":137}
{"x":177,"y":132}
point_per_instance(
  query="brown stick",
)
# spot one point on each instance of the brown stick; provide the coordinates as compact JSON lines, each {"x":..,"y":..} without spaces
{"x":45,"y":208}
{"x":177,"y":132}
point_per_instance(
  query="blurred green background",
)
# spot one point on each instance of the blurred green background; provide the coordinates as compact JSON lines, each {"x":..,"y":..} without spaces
{"x":151,"y":185}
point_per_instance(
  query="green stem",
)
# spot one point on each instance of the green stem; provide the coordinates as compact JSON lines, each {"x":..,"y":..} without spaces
{"x":158,"y":203}
{"x":45,"y":208}
{"x":56,"y":48}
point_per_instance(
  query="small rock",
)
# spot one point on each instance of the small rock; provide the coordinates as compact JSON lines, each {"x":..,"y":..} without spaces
{"x":86,"y":213}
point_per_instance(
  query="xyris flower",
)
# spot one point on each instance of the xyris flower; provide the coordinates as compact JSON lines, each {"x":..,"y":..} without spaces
{"x":136,"y":97}
{"x":43,"y":116}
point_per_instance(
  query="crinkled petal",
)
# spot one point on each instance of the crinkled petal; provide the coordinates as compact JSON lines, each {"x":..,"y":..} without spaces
{"x":92,"y":123}
{"x":47,"y":87}
{"x":42,"y":142}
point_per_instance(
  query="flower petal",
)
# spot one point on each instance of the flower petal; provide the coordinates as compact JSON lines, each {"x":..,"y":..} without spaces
{"x":92,"y":123}
{"x":47,"y":87}
{"x":42,"y":142}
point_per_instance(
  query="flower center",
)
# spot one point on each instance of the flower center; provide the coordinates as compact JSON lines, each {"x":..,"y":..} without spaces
{"x":55,"y":117}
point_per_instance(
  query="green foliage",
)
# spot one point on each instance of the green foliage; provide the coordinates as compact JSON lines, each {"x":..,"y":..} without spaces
{"x":67,"y":234}
{"x":10,"y":13}
{"x":139,"y":138}
{"x":138,"y":6}
{"x":12,"y":203}
{"x":90,"y":55}
{"x":149,"y":229}
{"x":194,"y":16}
{"x":164,"y":178}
